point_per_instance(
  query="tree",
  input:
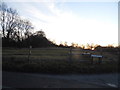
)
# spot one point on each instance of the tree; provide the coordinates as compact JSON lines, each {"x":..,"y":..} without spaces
{"x":11,"y":22}
{"x":3,"y":11}
{"x":38,"y":39}
{"x":83,"y":46}
{"x":8,"y":20}
{"x":65,"y":44}
{"x":17,"y":32}
{"x":20,"y":30}
{"x":90,"y":46}
{"x":27,"y":27}
{"x":12,"y":25}
{"x":40,"y":33}
{"x":61,"y":44}
{"x":74,"y":44}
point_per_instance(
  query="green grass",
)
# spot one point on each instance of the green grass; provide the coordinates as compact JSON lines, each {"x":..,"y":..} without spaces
{"x":55,"y":60}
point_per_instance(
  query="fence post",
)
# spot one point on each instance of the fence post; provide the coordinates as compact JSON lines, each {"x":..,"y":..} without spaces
{"x":100,"y":60}
{"x":101,"y":51}
{"x":70,"y":55}
{"x":91,"y":60}
{"x":29,"y":54}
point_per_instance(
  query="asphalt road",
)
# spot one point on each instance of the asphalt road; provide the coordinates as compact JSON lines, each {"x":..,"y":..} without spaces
{"x":27,"y":80}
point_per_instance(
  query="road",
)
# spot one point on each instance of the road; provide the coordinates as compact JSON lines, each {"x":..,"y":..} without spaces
{"x":27,"y":80}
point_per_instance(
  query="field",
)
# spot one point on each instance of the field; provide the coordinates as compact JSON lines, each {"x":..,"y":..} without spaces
{"x":56,"y":60}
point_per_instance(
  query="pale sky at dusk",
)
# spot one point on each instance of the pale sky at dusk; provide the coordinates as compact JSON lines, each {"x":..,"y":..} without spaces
{"x":76,"y":21}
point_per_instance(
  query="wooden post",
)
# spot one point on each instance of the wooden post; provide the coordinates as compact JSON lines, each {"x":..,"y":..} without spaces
{"x":101,"y":51}
{"x":91,"y":60}
{"x":29,"y":54}
{"x":100,"y":60}
{"x":70,"y":55}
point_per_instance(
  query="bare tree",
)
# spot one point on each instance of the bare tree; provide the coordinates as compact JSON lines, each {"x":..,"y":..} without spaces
{"x":73,"y":44}
{"x":12,"y":25}
{"x":19,"y":29}
{"x":8,"y":20}
{"x":27,"y":27}
{"x":83,"y":46}
{"x":90,"y":46}
{"x":3,"y":14}
{"x":65,"y":44}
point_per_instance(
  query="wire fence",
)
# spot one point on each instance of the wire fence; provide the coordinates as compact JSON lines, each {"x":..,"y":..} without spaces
{"x":37,"y":54}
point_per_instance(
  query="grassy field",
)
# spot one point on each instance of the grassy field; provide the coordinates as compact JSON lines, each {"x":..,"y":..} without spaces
{"x":56,"y":60}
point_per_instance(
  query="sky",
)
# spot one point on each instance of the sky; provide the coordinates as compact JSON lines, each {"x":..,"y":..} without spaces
{"x":72,"y":21}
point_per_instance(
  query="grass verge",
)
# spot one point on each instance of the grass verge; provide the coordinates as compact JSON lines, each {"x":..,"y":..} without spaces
{"x":59,"y":67}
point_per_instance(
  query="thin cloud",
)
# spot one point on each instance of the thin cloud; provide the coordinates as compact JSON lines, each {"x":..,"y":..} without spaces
{"x":64,"y":22}
{"x":37,"y":13}
{"x":62,"y":25}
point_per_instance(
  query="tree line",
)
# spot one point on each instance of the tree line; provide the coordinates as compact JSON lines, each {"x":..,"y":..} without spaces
{"x":17,"y":32}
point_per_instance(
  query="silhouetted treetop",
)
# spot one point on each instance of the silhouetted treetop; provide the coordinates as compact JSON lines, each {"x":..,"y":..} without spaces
{"x":40,"y":33}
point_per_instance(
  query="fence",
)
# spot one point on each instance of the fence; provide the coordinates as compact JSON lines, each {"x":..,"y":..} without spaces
{"x":36,"y":54}
{"x":86,"y":56}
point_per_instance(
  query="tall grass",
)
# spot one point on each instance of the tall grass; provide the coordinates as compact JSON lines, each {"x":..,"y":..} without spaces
{"x":55,"y":61}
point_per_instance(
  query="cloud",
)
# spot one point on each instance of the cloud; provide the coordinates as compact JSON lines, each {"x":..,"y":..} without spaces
{"x":38,"y":13}
{"x":62,"y":25}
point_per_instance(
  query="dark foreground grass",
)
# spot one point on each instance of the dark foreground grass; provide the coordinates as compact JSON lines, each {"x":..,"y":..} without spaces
{"x":59,"y":67}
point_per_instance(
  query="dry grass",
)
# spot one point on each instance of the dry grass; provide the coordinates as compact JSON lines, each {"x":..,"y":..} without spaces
{"x":56,"y":60}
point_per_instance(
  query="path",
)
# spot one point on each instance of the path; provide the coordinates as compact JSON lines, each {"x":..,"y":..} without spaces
{"x":27,"y":80}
